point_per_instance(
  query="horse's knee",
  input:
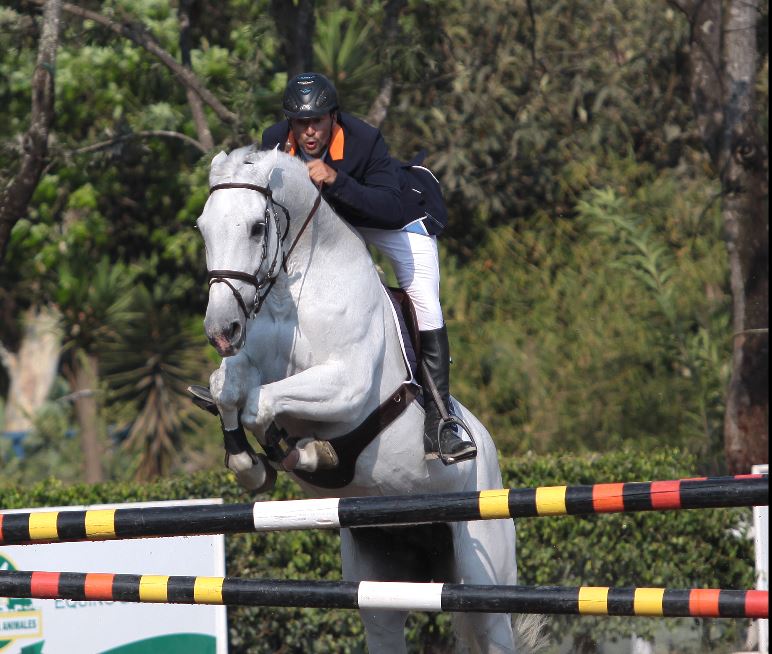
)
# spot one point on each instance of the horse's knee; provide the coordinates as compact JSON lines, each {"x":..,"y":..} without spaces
{"x":230,"y":383}
{"x":384,"y":630}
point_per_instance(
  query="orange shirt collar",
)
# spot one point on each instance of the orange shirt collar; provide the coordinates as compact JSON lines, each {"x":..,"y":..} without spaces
{"x":337,"y":143}
{"x":290,"y":147}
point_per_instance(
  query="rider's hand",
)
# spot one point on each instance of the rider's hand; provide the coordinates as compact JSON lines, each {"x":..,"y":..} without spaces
{"x":320,"y":172}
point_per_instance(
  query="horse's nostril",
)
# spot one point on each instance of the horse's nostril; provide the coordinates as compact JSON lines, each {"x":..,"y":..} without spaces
{"x":233,"y":332}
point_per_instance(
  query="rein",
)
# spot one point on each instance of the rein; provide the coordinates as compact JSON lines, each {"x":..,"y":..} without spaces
{"x":266,"y":284}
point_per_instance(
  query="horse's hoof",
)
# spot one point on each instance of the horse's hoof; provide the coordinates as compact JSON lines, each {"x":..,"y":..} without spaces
{"x":253,"y":471}
{"x":270,"y":478}
{"x":328,"y":457}
{"x":311,"y":455}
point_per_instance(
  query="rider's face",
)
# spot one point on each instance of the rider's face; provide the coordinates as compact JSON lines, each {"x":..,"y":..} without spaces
{"x":312,"y":134}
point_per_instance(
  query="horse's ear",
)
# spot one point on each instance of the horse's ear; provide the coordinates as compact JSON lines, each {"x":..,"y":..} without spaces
{"x":274,"y":176}
{"x":219,"y":158}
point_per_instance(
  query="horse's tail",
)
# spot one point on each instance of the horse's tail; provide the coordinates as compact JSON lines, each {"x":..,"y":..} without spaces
{"x":530,"y":633}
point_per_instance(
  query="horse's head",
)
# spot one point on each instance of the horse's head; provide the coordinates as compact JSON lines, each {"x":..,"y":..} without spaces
{"x":243,"y":228}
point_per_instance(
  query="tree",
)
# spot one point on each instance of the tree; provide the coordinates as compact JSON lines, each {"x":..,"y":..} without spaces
{"x":194,"y":99}
{"x":72,"y":221}
{"x":96,"y":303}
{"x":31,"y":367}
{"x":527,"y":110}
{"x":295,"y":22}
{"x":31,"y":354}
{"x":725,"y":59}
{"x":15,"y":197}
{"x":148,"y":362}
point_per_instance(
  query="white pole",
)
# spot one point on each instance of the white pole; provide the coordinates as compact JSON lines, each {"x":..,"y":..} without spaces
{"x":761,"y":542}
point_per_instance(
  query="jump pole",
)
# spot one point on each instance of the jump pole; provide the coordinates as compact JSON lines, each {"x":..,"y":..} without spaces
{"x":334,"y":513}
{"x":232,"y":591}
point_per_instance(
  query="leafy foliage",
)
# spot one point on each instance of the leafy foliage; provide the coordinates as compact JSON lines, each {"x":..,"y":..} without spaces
{"x":527,"y":104}
{"x":584,"y":279}
{"x":148,"y":366}
{"x":605,"y":329}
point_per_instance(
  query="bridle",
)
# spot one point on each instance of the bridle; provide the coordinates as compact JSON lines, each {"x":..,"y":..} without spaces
{"x":262,"y":286}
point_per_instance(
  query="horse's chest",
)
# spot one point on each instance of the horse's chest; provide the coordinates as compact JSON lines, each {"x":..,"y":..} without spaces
{"x":277,"y":348}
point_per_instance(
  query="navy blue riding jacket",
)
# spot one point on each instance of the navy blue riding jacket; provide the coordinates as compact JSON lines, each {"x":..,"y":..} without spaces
{"x":370,"y":184}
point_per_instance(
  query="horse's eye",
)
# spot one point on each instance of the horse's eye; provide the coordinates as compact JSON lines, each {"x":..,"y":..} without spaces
{"x":258,"y":229}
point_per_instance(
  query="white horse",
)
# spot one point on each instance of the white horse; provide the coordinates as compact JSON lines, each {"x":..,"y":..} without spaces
{"x":312,"y":348}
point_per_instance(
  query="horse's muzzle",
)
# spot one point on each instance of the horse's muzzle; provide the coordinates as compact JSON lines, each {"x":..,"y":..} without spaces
{"x":228,"y":340}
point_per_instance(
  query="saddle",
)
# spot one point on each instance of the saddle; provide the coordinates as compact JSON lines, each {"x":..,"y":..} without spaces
{"x":408,"y":327}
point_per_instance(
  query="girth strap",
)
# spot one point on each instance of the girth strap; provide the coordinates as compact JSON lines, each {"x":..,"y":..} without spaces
{"x":350,"y":446}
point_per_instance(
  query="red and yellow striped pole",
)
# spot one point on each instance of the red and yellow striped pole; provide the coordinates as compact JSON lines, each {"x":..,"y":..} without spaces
{"x":584,"y":600}
{"x":334,"y":513}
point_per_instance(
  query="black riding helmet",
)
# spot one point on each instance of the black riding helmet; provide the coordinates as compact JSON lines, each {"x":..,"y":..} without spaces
{"x":309,"y":95}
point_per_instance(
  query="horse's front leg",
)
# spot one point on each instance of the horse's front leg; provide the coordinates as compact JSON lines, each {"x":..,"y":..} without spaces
{"x":229,"y":385}
{"x":331,"y":392}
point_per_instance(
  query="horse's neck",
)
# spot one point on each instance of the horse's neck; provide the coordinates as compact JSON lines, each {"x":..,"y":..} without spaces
{"x":326,"y":245}
{"x":331,"y":273}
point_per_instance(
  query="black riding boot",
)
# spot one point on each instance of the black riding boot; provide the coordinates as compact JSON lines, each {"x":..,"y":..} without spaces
{"x":448,"y":444}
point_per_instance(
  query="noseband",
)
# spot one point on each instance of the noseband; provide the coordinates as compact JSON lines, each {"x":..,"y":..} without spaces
{"x":262,"y":286}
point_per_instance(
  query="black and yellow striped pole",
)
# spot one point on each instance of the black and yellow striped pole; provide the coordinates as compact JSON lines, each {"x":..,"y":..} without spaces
{"x":584,"y":600}
{"x":334,"y":513}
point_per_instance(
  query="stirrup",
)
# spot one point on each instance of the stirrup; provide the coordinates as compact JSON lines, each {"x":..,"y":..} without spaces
{"x":203,"y":399}
{"x":468,"y":452}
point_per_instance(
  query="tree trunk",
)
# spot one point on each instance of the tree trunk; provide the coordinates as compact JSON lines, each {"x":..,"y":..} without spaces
{"x":15,"y":198}
{"x":296,"y":23}
{"x":32,"y":368}
{"x":745,"y":204}
{"x":380,"y":106}
{"x":724,"y":69}
{"x":82,"y":373}
{"x":194,"y":100}
{"x":391,"y":34}
{"x":641,"y":645}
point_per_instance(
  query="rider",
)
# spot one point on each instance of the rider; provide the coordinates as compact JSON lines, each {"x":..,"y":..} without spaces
{"x":363,"y":184}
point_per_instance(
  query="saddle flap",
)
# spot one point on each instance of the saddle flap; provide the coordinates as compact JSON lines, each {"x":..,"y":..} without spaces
{"x":408,"y":323}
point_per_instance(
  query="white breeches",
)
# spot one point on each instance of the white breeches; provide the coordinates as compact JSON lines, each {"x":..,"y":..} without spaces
{"x":416,"y":266}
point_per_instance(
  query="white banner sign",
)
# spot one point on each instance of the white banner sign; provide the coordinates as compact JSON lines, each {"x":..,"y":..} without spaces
{"x":32,"y":626}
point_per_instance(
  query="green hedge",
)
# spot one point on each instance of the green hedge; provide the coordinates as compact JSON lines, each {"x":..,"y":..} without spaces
{"x":682,"y":549}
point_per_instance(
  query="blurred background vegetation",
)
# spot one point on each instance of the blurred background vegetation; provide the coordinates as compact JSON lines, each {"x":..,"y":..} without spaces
{"x":585,"y":276}
{"x":585,"y":273}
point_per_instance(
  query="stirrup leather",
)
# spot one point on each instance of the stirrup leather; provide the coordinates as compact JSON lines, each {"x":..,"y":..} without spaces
{"x":448,"y":421}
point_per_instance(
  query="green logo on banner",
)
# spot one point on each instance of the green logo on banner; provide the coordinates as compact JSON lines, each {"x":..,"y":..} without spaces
{"x":18,"y":618}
